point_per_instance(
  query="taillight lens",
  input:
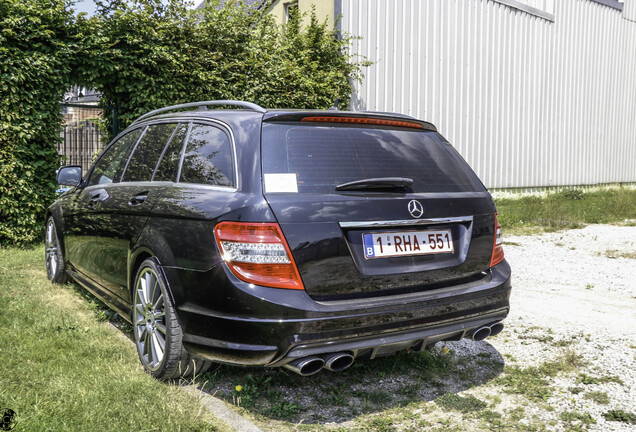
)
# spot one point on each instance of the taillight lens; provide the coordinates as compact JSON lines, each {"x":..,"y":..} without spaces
{"x":497,"y":247}
{"x":258,"y":253}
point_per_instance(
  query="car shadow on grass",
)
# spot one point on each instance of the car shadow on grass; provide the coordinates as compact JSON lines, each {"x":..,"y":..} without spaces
{"x":369,"y":386}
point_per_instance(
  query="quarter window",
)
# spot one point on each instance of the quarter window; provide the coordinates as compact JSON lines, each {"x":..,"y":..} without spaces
{"x":169,"y":163}
{"x":146,"y":155}
{"x":110,"y":165}
{"x":208,"y":157}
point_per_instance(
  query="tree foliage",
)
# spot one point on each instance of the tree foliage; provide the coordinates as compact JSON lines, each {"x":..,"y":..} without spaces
{"x":142,"y":55}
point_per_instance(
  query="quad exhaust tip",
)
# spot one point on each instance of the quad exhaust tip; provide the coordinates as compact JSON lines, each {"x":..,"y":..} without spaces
{"x":334,"y":362}
{"x":496,"y":328}
{"x":488,"y":330}
{"x":337,"y":362}
{"x":481,"y":333}
{"x":306,"y":366}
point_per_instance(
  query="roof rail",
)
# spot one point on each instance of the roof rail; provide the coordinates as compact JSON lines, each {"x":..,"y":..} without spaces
{"x":204,"y":105}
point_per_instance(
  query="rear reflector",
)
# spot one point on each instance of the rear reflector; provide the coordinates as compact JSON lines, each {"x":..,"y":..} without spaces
{"x":258,"y":253}
{"x":363,"y":120}
{"x":497,"y":248}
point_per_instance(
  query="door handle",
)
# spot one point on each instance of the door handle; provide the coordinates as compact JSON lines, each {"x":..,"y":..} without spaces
{"x":138,"y":199}
{"x":96,"y":197}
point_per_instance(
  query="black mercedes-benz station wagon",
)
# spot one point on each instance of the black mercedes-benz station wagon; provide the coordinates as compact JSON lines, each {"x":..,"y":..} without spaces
{"x":306,"y":239}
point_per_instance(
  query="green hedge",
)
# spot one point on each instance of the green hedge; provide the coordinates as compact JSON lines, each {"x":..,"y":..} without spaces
{"x":36,"y":54}
{"x":143,"y":55}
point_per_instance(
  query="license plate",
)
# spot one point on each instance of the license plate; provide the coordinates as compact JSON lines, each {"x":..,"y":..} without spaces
{"x":405,"y":243}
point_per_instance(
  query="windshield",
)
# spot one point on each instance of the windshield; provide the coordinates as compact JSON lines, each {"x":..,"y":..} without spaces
{"x":320,"y":158}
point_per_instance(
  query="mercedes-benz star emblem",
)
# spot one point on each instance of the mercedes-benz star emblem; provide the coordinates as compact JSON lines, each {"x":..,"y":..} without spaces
{"x":416,"y":209}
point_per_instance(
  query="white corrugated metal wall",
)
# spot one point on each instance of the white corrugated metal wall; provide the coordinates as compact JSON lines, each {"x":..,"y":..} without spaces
{"x":528,"y":102}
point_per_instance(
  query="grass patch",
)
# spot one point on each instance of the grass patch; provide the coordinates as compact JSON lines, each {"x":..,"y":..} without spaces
{"x":587,"y":379}
{"x":528,"y":382}
{"x":569,"y":208}
{"x":618,"y":415}
{"x":574,"y":417}
{"x":64,"y":369}
{"x":532,"y":382}
{"x":464,"y":404}
{"x":613,"y":253}
{"x":599,"y":397}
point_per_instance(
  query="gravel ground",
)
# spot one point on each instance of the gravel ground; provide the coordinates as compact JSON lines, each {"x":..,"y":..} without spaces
{"x":575,"y":289}
{"x":573,"y":304}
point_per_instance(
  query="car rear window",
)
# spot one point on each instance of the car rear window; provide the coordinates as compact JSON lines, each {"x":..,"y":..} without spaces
{"x":321,"y":158}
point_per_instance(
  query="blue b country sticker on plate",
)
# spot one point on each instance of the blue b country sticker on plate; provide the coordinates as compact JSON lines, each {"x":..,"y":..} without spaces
{"x":369,"y":252}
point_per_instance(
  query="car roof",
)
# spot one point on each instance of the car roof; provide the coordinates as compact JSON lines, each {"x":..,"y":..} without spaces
{"x":250,"y":111}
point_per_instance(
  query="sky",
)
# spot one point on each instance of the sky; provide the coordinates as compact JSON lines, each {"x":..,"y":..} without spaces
{"x":88,"y":6}
{"x":85,"y":6}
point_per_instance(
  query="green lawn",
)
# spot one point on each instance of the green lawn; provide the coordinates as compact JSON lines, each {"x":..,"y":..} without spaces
{"x":569,"y":208}
{"x":62,"y":367}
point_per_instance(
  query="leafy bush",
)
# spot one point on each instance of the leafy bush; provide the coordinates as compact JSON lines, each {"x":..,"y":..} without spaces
{"x":36,"y":53}
{"x":142,"y":55}
{"x":145,"y":55}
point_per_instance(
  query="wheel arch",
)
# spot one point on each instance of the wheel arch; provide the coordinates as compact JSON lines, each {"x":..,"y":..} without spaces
{"x":137,"y":257}
{"x":58,"y":229}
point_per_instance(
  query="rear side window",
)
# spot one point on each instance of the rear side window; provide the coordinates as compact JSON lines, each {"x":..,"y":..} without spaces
{"x":320,"y":158}
{"x":146,"y":154}
{"x":110,"y":165}
{"x":208,"y":157}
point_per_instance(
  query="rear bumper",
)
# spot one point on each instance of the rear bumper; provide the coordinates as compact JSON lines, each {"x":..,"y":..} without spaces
{"x":271,"y":327}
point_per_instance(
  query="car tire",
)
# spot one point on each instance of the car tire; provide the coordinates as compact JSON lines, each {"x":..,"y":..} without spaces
{"x":55,"y":267}
{"x":157,"y":332}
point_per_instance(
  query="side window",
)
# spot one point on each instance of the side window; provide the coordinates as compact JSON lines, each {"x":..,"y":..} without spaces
{"x":146,"y":154}
{"x":110,"y":165}
{"x":208,"y":157}
{"x":169,"y":163}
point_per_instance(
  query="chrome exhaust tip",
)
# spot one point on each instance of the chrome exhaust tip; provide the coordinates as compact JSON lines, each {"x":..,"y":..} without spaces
{"x":306,"y":366}
{"x":337,"y":362}
{"x":480,"y":334}
{"x":496,"y":328}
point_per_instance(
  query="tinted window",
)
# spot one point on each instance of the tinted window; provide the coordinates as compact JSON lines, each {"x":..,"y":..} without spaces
{"x":146,"y":155}
{"x":324,"y":157}
{"x":169,"y":163}
{"x":208,"y":157}
{"x":109,"y":167}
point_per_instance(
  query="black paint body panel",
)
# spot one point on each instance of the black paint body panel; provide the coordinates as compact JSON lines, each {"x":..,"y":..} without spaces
{"x":349,"y":303}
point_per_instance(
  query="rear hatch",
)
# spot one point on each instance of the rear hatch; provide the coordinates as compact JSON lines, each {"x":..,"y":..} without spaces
{"x":374,"y":205}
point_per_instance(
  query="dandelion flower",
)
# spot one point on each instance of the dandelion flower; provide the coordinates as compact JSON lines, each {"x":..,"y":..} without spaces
{"x":445,"y":350}
{"x":238,"y":388}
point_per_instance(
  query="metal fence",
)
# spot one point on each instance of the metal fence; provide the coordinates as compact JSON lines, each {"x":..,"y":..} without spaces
{"x":80,"y":133}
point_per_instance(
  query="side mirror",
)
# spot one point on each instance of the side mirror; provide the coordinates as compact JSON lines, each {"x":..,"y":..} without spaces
{"x":69,"y":175}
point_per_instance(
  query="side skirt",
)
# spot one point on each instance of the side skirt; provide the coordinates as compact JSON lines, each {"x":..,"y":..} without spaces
{"x":112,"y":301}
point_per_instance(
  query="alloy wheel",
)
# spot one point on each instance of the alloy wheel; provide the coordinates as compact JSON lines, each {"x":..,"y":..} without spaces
{"x":51,"y":250}
{"x":149,"y":319}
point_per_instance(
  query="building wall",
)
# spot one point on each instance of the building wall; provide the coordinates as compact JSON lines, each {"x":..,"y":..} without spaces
{"x":529,"y":99}
{"x":324,"y":9}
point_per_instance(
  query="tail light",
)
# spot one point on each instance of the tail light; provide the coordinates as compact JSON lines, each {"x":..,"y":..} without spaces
{"x":497,"y":248}
{"x":258,"y":253}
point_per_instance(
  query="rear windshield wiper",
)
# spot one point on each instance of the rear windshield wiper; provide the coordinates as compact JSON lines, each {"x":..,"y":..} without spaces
{"x":377,"y":183}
